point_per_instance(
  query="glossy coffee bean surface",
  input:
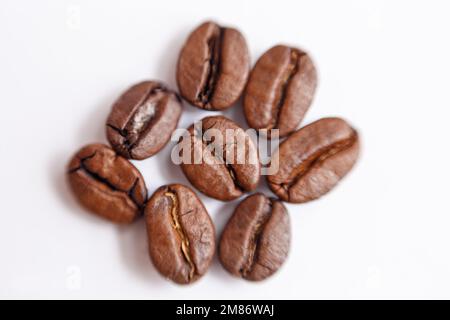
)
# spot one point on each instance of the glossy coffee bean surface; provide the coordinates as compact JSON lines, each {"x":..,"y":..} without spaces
{"x":226,"y":169}
{"x":255,"y":242}
{"x":107,"y":184}
{"x":213,"y":67}
{"x":313,"y":160}
{"x":142,"y":120}
{"x":280,"y":90}
{"x":181,"y":235}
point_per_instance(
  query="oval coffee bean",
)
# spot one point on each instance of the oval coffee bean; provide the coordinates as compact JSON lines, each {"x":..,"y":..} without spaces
{"x":213,"y":67}
{"x":142,"y":120}
{"x":227,"y":169}
{"x":180,"y":232}
{"x":107,"y":184}
{"x":280,"y":90}
{"x":255,"y":242}
{"x":313,"y":160}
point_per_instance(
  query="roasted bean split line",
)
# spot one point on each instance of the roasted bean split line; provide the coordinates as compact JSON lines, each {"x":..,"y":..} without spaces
{"x":213,"y":66}
{"x":254,"y":244}
{"x":290,"y":72}
{"x":256,"y":240}
{"x":229,"y":167}
{"x":185,"y":249}
{"x":140,"y":120}
{"x":320,"y":157}
{"x":105,"y":181}
{"x":214,"y":47}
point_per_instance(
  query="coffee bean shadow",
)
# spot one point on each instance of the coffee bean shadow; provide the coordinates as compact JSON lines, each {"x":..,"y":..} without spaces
{"x":264,"y":188}
{"x":134,"y":250}
{"x":167,"y":63}
{"x":236,"y":113}
{"x":170,"y":172}
{"x":92,"y":130}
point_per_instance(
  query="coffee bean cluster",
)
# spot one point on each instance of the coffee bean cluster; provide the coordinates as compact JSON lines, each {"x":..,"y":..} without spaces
{"x":213,"y":72}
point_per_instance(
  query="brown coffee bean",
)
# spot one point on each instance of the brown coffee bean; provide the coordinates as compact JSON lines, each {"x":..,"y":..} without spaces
{"x":313,"y":160}
{"x":107,"y":184}
{"x":227,"y":168}
{"x":142,"y":120}
{"x":280,"y":90}
{"x":213,"y":67}
{"x":255,"y":242}
{"x":181,"y":234}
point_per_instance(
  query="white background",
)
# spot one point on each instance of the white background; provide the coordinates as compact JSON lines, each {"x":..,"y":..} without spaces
{"x":384,"y":232}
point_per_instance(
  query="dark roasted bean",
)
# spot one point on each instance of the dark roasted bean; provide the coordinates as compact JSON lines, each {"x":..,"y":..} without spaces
{"x":142,"y":120}
{"x":181,"y":235}
{"x":280,"y":90}
{"x":217,"y":176}
{"x":255,"y":242}
{"x":107,"y":184}
{"x":313,"y":160}
{"x":213,"y":67}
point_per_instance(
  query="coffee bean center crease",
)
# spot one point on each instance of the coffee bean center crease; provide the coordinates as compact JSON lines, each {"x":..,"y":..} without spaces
{"x":95,"y":176}
{"x":213,"y":61}
{"x":317,"y":158}
{"x":141,"y":119}
{"x":291,"y":70}
{"x":218,"y":152}
{"x":255,"y":241}
{"x":184,"y":246}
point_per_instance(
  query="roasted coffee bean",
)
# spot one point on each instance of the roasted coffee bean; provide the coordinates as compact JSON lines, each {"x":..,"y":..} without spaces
{"x":142,"y":120}
{"x":180,"y":232}
{"x":213,"y":67}
{"x":313,"y":160}
{"x":280,"y":90}
{"x":255,"y":242}
{"x":228,"y":159}
{"x":107,"y":184}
